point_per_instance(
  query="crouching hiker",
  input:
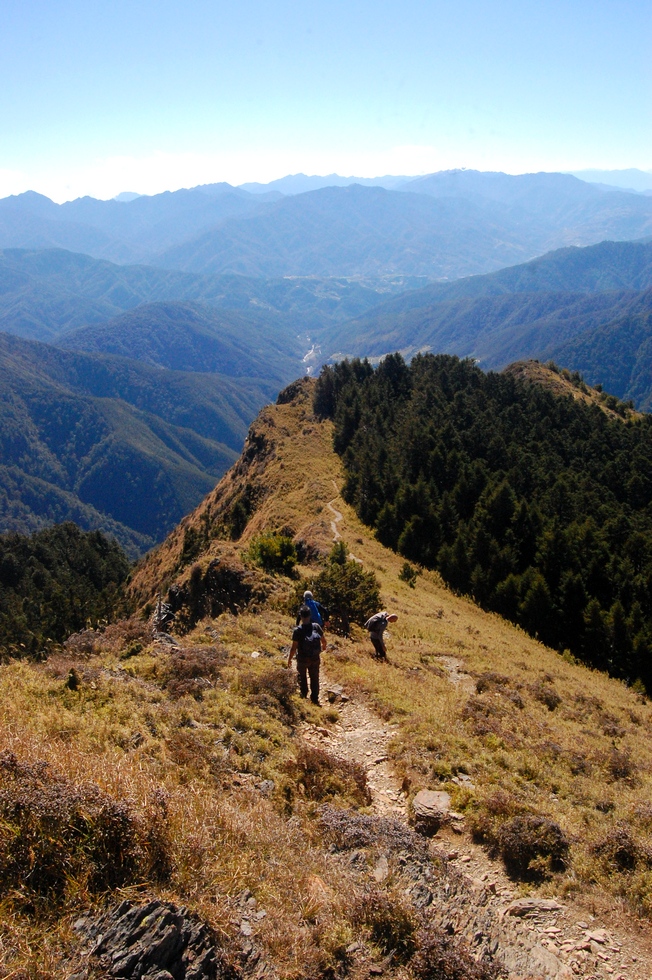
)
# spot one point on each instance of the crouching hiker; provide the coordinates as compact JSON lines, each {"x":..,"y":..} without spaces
{"x":308,"y":641}
{"x":377,"y":625}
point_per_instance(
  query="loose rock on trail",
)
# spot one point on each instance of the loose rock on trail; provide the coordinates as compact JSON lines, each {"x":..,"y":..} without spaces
{"x":462,"y":890}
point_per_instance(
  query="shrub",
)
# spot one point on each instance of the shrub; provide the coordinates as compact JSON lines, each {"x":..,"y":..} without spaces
{"x":619,"y":849}
{"x":192,"y":670}
{"x":323,"y":776}
{"x":490,"y":681}
{"x":546,"y":695}
{"x":271,"y":689}
{"x":351,"y":594}
{"x":533,"y":846}
{"x":274,"y":553}
{"x":439,"y":956}
{"x":391,"y":923}
{"x":54,"y":832}
{"x":408,"y":574}
{"x":620,"y":765}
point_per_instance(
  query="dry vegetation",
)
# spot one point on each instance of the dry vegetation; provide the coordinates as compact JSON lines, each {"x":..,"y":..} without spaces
{"x":185,"y":760}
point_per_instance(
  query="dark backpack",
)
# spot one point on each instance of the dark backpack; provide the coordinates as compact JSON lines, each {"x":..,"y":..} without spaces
{"x":308,"y":641}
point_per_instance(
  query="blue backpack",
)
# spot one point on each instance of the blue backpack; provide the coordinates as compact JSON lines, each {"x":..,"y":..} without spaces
{"x":314,"y":609}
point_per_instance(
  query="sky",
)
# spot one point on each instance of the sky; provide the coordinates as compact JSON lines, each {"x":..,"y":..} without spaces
{"x":101,"y":97}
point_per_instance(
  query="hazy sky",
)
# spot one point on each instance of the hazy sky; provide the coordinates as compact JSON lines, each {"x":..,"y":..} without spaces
{"x":101,"y":97}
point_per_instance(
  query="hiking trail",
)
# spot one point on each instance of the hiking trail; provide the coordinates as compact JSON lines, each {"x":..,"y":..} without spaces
{"x":467,"y":892}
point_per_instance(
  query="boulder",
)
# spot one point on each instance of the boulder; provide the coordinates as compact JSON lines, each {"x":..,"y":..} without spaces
{"x":431,"y":808}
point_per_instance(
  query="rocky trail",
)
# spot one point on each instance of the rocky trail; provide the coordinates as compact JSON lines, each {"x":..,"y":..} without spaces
{"x":462,"y":889}
{"x":467,"y":893}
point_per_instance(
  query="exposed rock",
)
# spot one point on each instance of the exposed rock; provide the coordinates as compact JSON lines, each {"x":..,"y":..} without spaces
{"x":543,"y":962}
{"x":156,"y":941}
{"x":381,"y":870}
{"x":334,"y":692}
{"x":533,"y":906}
{"x":431,"y":808}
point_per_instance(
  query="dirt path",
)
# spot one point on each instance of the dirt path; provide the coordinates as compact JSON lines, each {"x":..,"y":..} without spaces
{"x":535,"y":939}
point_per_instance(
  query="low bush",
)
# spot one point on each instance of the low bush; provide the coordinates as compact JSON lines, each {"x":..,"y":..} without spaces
{"x":56,"y":835}
{"x":346,"y":830}
{"x":274,"y":553}
{"x":440,"y":956}
{"x":408,"y":574}
{"x":546,"y":695}
{"x":192,"y":670}
{"x":321,"y":776}
{"x":533,"y":846}
{"x":390,"y":921}
{"x":272,"y":689}
{"x":620,"y":850}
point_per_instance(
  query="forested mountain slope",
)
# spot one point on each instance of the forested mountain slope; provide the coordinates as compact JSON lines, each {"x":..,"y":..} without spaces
{"x":536,"y":505}
{"x":444,"y":225}
{"x":112,"y":443}
{"x":534,"y":310}
{"x":44,"y":293}
{"x":193,"y":337}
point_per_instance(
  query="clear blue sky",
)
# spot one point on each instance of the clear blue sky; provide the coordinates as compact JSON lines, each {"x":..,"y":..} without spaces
{"x":99,"y":97}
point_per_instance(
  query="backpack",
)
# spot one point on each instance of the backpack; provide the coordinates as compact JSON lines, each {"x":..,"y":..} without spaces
{"x":308,"y":643}
{"x":314,"y":609}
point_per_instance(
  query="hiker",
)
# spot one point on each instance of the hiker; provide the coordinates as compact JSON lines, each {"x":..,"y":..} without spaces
{"x":320,"y":614}
{"x":377,"y":625}
{"x":308,"y":641}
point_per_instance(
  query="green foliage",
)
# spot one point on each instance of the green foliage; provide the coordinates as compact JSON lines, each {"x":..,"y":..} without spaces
{"x":408,"y":574}
{"x":274,"y":553}
{"x":350,"y":593}
{"x":55,"y":583}
{"x":537,"y":505}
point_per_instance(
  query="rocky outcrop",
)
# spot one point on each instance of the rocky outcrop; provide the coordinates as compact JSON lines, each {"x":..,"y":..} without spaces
{"x":156,"y":941}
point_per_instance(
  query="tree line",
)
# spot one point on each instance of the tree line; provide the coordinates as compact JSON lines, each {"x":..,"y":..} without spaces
{"x":537,"y":505}
{"x":56,"y":582}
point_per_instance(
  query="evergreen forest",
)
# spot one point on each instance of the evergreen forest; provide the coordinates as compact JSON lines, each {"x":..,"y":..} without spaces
{"x":54,"y":583}
{"x":537,"y":505}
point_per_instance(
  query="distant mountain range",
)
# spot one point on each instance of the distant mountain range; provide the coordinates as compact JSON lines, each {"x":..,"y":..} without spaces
{"x":590,"y":309}
{"x":445,"y":225}
{"x":631,"y":179}
{"x":45,"y":293}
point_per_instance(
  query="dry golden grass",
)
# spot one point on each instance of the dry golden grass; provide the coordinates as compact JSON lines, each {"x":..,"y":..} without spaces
{"x":537,"y":734}
{"x":586,"y":764}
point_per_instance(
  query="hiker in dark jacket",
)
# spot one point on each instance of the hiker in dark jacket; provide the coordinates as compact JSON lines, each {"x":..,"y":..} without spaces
{"x":377,"y":625}
{"x":308,"y":641}
{"x":320,"y":614}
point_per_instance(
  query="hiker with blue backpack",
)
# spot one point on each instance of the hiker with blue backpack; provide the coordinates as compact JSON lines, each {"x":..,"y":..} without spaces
{"x":319,"y":613}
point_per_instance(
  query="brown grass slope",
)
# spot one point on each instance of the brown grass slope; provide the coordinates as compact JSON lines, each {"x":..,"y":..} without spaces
{"x":538,"y":736}
{"x":182,"y":772}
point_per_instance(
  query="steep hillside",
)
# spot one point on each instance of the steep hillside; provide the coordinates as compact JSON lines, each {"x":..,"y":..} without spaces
{"x":112,"y":443}
{"x":192,"y":337}
{"x":536,"y":505}
{"x":445,"y":225}
{"x":359,"y":231}
{"x":120,"y":231}
{"x":47,"y":292}
{"x":537,"y":310}
{"x":369,"y":231}
{"x":273,"y":837}
{"x":615,"y":354}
